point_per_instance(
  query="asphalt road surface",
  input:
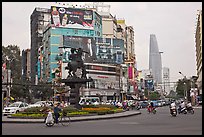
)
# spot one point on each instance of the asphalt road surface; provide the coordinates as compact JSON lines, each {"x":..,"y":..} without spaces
{"x":160,"y":123}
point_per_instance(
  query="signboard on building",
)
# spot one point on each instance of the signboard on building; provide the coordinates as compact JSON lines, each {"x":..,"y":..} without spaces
{"x":110,"y":50}
{"x":105,"y":50}
{"x":72,"y":18}
{"x":4,"y":79}
{"x":149,"y":84}
{"x":88,"y":45}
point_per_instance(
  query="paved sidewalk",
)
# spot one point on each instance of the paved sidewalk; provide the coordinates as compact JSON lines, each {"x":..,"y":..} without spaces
{"x":6,"y":119}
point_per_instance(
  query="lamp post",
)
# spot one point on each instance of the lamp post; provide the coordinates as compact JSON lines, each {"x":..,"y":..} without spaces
{"x":185,"y":92}
{"x":8,"y":78}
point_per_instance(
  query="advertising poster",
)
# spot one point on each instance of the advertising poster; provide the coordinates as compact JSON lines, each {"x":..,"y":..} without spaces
{"x":86,"y":43}
{"x":72,"y":18}
{"x":130,"y":72}
{"x":149,"y":84}
{"x":110,"y":50}
{"x":105,"y":50}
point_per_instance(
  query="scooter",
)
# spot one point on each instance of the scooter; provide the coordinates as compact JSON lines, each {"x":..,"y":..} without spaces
{"x":173,"y":111}
{"x":190,"y":109}
{"x":151,"y":110}
{"x":182,"y":110}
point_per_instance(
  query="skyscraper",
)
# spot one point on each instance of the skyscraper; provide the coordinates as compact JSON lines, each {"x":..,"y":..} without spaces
{"x":155,"y":64}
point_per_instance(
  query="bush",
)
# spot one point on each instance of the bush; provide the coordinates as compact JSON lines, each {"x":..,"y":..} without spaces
{"x":31,"y":115}
{"x":37,"y":109}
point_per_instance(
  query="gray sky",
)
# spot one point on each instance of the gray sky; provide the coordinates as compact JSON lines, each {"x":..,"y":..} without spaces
{"x":173,"y":23}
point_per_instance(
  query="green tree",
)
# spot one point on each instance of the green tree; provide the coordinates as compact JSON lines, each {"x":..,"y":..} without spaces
{"x":11,"y":56}
{"x":154,"y":96}
{"x":183,"y":87}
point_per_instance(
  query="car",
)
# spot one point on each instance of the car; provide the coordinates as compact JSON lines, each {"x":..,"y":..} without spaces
{"x":143,"y":104}
{"x":159,"y":103}
{"x":41,"y":104}
{"x":89,"y":101}
{"x":15,"y":108}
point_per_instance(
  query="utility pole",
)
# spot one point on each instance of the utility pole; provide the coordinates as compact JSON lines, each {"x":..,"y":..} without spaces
{"x":185,"y":83}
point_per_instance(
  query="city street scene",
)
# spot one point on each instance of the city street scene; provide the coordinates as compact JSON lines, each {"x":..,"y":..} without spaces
{"x":102,"y":68}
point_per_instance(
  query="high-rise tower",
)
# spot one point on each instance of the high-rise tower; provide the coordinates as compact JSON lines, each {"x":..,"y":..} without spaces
{"x":155,"y":64}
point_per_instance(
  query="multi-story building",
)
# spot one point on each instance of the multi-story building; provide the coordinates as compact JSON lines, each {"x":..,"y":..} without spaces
{"x":155,"y":63}
{"x":198,"y":41}
{"x":166,"y":81}
{"x":26,"y":67}
{"x":83,"y":26}
{"x":38,"y":20}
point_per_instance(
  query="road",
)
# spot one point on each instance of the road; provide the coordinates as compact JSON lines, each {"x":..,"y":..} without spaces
{"x":144,"y":124}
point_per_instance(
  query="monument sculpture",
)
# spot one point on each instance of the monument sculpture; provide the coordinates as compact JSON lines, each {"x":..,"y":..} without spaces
{"x":72,"y":80}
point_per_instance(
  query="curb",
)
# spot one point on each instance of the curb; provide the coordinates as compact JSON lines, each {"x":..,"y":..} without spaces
{"x":73,"y":119}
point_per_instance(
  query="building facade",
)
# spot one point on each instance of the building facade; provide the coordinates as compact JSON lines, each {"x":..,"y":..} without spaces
{"x":26,"y":67}
{"x":198,"y":45}
{"x":38,"y":20}
{"x":166,"y":81}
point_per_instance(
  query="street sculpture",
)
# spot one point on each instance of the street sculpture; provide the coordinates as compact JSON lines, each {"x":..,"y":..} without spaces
{"x":73,"y":81}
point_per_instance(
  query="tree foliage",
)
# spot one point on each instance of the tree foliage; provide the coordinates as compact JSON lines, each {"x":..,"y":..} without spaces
{"x":11,"y":56}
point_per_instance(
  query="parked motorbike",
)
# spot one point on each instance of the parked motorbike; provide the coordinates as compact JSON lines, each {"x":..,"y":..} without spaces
{"x":190,"y":109}
{"x":173,"y":111}
{"x":182,"y":110}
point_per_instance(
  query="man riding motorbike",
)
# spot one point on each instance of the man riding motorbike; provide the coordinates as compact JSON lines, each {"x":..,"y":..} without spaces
{"x":173,"y":110}
{"x":189,"y":108}
{"x":182,"y":108}
{"x":151,"y":108}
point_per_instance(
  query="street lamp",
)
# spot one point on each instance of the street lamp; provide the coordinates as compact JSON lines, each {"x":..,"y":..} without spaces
{"x":185,"y":92}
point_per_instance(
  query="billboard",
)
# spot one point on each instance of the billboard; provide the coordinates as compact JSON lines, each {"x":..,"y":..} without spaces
{"x":110,"y":50}
{"x":88,"y":45}
{"x":149,"y":84}
{"x":107,"y":50}
{"x":72,"y":18}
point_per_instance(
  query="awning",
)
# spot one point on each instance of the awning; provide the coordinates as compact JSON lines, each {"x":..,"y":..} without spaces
{"x":9,"y":98}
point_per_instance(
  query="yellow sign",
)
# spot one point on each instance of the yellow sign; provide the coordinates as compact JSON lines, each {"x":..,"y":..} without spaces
{"x":121,"y":21}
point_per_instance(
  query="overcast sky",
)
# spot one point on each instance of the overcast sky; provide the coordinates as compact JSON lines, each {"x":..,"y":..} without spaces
{"x":173,"y":23}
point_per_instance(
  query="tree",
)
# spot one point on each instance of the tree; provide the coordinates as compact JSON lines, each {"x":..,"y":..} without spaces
{"x":154,"y":96}
{"x":11,"y":56}
{"x":183,"y":87}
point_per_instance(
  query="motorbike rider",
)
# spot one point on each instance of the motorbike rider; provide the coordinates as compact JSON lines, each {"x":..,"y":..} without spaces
{"x":150,"y":107}
{"x":172,"y":106}
{"x":189,"y":105}
{"x":182,"y":105}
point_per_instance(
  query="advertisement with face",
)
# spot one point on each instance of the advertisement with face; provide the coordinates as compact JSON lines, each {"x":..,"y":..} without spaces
{"x":71,"y":18}
{"x":86,"y":43}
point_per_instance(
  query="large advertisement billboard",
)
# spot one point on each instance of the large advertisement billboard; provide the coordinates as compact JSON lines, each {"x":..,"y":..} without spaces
{"x":72,"y":18}
{"x":88,"y":45}
{"x":110,"y":50}
{"x":106,"y":50}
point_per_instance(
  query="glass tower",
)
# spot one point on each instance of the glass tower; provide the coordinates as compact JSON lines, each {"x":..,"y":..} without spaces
{"x":155,"y":64}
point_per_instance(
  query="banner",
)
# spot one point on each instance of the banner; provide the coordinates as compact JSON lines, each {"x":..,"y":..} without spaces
{"x":72,"y":18}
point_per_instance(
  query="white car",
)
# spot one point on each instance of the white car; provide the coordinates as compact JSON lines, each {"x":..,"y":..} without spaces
{"x":15,"y":108}
{"x":41,"y":104}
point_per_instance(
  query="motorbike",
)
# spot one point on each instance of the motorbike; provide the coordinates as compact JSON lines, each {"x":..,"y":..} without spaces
{"x":151,"y":110}
{"x":190,"y":109}
{"x":173,"y":111}
{"x":182,"y":110}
